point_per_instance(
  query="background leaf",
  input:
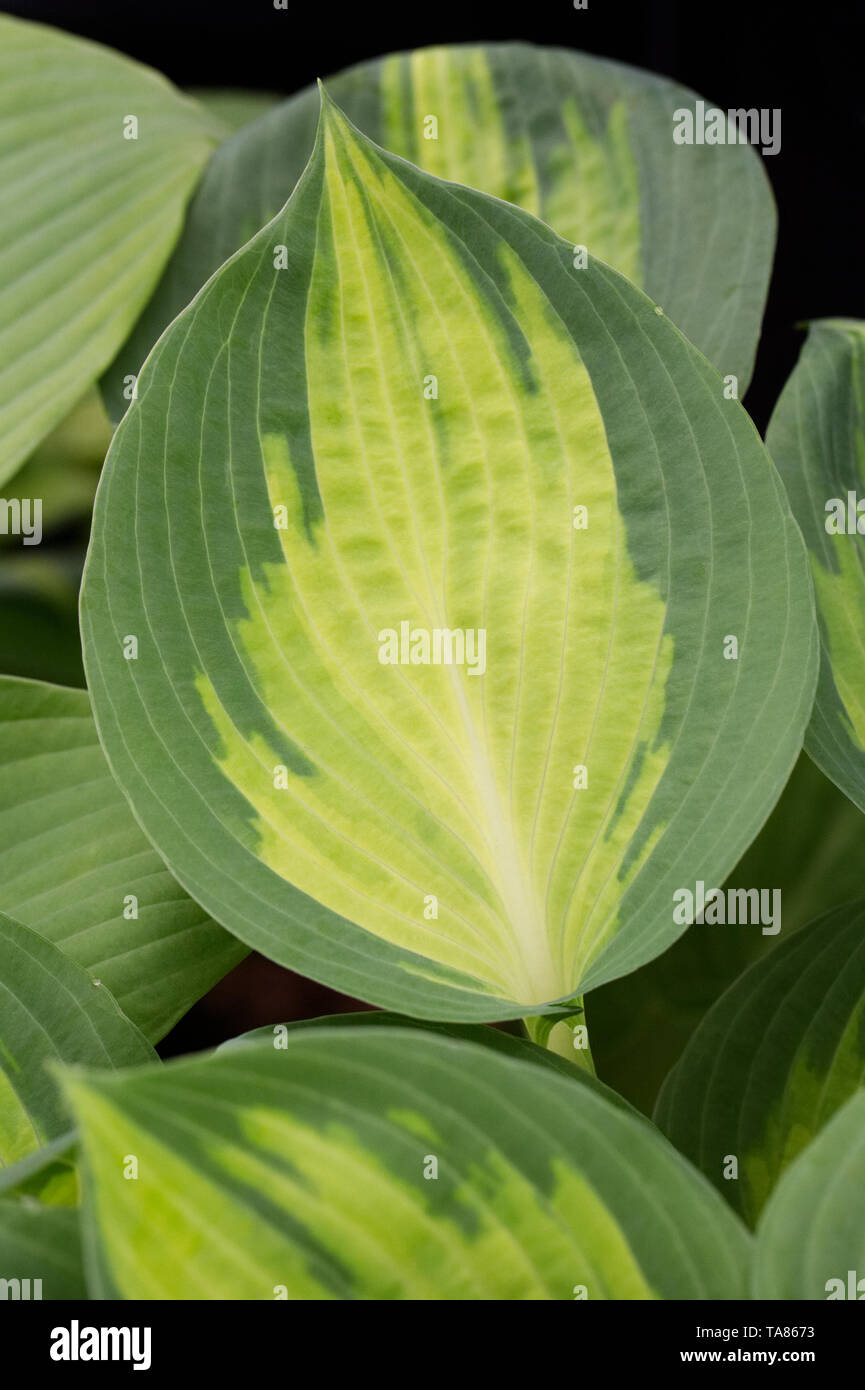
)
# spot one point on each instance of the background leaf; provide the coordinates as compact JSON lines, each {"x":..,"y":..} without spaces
{"x":585,"y":144}
{"x":817,"y":438}
{"x":303,"y":391}
{"x":64,"y":469}
{"x":304,"y":1168}
{"x":39,"y":633}
{"x":42,"y":1243}
{"x":51,"y":1011}
{"x":812,"y":849}
{"x":234,"y":107}
{"x":778,"y":1054}
{"x":71,"y":854}
{"x":813,"y":1229}
{"x":88,"y":217}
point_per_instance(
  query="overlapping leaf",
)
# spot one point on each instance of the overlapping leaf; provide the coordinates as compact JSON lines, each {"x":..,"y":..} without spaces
{"x":402,"y":432}
{"x":385,"y":1163}
{"x":585,"y":144}
{"x":817,"y":438}
{"x":75,"y":867}
{"x":88,"y":216}
{"x":773,"y":1060}
{"x":50,"y":1010}
{"x":811,"y":1238}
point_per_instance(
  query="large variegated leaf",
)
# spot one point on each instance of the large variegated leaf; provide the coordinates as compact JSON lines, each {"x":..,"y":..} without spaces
{"x":75,"y":867}
{"x":40,"y":1253}
{"x":386,"y":1163}
{"x":98,"y":156}
{"x":817,"y":438}
{"x":50,"y":1010}
{"x":811,"y":850}
{"x":585,"y":144}
{"x":811,"y":1238}
{"x":773,"y":1060}
{"x":402,"y":433}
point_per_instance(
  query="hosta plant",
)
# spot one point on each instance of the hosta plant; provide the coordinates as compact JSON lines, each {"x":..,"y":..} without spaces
{"x":449,"y":634}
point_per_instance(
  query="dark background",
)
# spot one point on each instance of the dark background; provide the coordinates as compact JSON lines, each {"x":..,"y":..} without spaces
{"x":805,"y":60}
